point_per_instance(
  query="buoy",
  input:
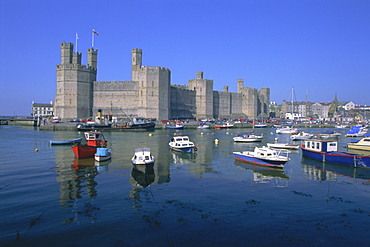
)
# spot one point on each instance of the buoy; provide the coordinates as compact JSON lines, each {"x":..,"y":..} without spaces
{"x":227,"y":133}
{"x":180,"y":134}
{"x":272,"y":133}
{"x":276,"y":139}
{"x":150,"y":134}
{"x":216,"y":140}
{"x":201,"y":134}
{"x":174,"y":134}
{"x":36,"y":150}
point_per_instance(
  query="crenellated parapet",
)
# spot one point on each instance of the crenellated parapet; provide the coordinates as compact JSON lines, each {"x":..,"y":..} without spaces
{"x":182,"y":87}
{"x":74,"y":66}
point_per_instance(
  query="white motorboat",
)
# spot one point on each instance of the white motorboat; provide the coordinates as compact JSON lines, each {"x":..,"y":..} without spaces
{"x":182,"y":144}
{"x":363,"y":144}
{"x":142,"y":156}
{"x":248,"y":137}
{"x":283,"y":145}
{"x":301,"y":136}
{"x":264,"y":156}
{"x":286,"y":130}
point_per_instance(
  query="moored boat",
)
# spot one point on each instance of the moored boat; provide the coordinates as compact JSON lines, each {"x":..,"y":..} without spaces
{"x":356,"y":131}
{"x":176,"y":126}
{"x":102,"y":154}
{"x":94,"y":140}
{"x":203,"y":126}
{"x":327,"y":151}
{"x":286,"y":130}
{"x":363,"y":144}
{"x":248,"y":137}
{"x":279,"y":145}
{"x":223,"y":125}
{"x":142,"y":156}
{"x":301,"y":136}
{"x":264,"y":156}
{"x":182,"y":144}
{"x":65,"y":142}
{"x":329,"y":134}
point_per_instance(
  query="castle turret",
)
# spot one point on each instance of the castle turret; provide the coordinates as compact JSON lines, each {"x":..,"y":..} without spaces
{"x":92,"y":58}
{"x":136,"y":62}
{"x":66,"y":53}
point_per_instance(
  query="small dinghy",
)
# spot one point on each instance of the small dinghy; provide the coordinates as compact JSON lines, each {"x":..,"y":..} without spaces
{"x":102,"y":154}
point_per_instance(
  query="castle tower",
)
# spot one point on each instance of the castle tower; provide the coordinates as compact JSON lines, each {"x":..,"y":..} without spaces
{"x":136,"y":62}
{"x":74,"y":96}
{"x":240,"y":85}
{"x":204,"y":95}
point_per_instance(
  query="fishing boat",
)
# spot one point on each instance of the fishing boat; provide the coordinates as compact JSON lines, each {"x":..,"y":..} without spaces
{"x":142,"y":156}
{"x":301,"y":136}
{"x":177,"y":126}
{"x":248,"y":137}
{"x":327,"y":151}
{"x":286,"y":130}
{"x":94,"y":140}
{"x":279,"y":145}
{"x":182,"y":144}
{"x":66,"y":142}
{"x":363,"y":144}
{"x":356,"y":131}
{"x":264,"y":156}
{"x":329,"y":134}
{"x":102,"y":154}
{"x":223,"y":125}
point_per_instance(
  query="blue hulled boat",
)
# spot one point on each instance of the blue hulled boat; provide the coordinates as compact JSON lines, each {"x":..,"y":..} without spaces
{"x":327,"y":151}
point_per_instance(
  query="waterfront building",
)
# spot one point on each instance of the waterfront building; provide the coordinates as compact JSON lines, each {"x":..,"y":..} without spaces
{"x":148,"y":94}
{"x":42,"y":110}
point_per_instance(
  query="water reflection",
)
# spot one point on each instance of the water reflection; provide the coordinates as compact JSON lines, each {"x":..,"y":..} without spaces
{"x":316,"y":170}
{"x":263,"y":174}
{"x":143,"y":174}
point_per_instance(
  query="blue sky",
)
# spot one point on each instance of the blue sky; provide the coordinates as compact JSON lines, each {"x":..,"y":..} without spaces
{"x":319,"y":47}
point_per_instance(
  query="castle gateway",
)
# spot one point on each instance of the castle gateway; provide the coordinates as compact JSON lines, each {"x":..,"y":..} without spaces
{"x":149,"y":94}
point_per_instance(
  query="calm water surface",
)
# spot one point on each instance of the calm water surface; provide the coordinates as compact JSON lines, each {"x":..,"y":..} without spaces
{"x":49,"y":198}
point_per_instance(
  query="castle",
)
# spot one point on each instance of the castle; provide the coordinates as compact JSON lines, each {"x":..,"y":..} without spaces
{"x":149,"y":94}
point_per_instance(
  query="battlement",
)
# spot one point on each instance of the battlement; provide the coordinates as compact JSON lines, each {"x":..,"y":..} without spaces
{"x":182,"y":87}
{"x":115,"y":82}
{"x":154,"y":68}
{"x":69,"y":44}
{"x":75,"y":67}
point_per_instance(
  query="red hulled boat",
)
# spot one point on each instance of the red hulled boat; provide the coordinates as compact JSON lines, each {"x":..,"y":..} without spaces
{"x":94,"y":140}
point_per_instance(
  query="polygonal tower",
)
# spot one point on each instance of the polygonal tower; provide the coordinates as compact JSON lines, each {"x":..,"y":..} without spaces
{"x":74,"y":86}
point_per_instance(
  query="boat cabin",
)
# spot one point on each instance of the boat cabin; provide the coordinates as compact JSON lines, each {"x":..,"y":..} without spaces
{"x":321,"y":145}
{"x":94,"y":138}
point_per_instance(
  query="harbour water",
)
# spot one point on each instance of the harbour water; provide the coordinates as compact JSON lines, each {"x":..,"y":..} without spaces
{"x":49,"y":198}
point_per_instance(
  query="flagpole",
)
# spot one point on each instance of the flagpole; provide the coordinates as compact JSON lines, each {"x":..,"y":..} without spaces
{"x":76,"y":42}
{"x":92,"y":39}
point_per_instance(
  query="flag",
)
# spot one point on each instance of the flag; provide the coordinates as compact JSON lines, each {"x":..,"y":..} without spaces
{"x":95,"y":32}
{"x":77,"y":36}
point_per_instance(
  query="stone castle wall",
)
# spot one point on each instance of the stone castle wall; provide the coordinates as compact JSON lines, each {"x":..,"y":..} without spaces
{"x":149,"y":94}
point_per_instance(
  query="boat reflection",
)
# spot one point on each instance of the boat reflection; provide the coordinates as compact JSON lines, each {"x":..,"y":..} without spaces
{"x":182,"y":158}
{"x":317,"y":170}
{"x":262,"y":174}
{"x":143,"y":174}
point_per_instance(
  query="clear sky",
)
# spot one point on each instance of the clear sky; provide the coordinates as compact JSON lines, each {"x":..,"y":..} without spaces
{"x":322,"y":48}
